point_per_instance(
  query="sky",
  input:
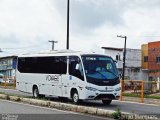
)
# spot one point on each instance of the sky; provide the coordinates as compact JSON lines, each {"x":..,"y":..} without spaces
{"x":26,"y":26}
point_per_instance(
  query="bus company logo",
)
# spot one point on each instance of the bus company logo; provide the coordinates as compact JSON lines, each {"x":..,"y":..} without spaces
{"x":52,"y":78}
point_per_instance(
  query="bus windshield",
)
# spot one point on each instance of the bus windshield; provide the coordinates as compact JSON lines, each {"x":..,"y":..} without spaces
{"x":100,"y":70}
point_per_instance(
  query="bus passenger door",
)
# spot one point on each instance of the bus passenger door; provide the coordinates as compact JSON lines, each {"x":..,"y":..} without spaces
{"x":76,"y":75}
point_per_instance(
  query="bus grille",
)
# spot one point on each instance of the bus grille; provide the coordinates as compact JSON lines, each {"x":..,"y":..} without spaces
{"x":103,"y":96}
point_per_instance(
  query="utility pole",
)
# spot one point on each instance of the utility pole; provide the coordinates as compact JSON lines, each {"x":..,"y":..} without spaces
{"x":53,"y":41}
{"x":68,"y":25}
{"x":124,"y":55}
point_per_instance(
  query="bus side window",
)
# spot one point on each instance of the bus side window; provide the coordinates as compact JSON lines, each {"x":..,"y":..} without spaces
{"x":73,"y":62}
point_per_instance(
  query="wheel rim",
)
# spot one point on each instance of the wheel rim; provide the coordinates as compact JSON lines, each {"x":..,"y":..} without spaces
{"x":75,"y":97}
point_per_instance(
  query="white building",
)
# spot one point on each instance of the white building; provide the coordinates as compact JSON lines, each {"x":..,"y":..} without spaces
{"x":133,"y":69}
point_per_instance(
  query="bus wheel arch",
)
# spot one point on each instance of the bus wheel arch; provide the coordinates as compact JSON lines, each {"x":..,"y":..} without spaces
{"x":75,"y":96}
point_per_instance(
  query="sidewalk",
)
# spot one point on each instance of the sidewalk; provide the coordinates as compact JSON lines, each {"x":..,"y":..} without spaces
{"x":146,"y":100}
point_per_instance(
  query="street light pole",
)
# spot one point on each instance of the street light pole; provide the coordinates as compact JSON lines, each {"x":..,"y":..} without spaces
{"x":53,"y":41}
{"x":68,"y":25}
{"x":124,"y":55}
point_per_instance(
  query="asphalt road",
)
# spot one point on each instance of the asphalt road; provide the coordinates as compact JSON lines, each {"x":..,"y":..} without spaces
{"x":20,"y":111}
{"x":129,"y":107}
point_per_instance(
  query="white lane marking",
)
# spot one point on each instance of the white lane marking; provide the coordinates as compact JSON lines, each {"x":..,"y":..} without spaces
{"x":54,"y":109}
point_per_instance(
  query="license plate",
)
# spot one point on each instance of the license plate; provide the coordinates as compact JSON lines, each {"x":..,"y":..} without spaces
{"x":105,"y":98}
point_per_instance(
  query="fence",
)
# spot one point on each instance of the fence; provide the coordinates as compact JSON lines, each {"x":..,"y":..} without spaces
{"x":140,"y":89}
{"x":8,"y":83}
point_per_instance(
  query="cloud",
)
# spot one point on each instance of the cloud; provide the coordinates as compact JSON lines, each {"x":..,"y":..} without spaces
{"x":93,"y":23}
{"x":88,"y":15}
{"x":29,"y":23}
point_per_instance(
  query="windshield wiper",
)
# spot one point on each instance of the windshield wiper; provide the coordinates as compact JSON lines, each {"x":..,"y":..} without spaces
{"x":111,"y":72}
{"x":99,"y":73}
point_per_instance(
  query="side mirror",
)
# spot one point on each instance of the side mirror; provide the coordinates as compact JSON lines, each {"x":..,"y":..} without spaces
{"x":77,"y":66}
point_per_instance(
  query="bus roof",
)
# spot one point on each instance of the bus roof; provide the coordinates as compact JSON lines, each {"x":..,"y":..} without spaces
{"x":57,"y":53}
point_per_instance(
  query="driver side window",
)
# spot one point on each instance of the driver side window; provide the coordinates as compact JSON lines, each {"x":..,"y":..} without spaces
{"x":75,"y":67}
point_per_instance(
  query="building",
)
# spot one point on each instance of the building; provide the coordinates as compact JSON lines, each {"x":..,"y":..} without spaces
{"x":8,"y":66}
{"x":144,"y":49}
{"x":151,"y":60}
{"x":133,"y":69}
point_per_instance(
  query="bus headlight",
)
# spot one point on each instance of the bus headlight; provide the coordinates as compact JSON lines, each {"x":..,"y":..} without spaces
{"x":90,"y":88}
{"x":118,"y":89}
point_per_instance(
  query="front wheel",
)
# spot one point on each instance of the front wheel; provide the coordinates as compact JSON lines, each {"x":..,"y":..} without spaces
{"x":106,"y":102}
{"x":75,"y":97}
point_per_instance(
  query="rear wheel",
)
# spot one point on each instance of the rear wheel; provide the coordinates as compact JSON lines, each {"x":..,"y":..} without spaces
{"x":106,"y":102}
{"x":35,"y":92}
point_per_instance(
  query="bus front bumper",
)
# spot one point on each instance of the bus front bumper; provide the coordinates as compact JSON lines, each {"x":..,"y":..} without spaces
{"x":104,"y":96}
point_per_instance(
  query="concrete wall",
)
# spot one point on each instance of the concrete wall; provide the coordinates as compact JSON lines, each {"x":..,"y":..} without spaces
{"x":133,"y":58}
{"x":113,"y":54}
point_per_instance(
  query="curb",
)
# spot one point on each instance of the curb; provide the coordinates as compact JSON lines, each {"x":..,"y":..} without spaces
{"x":62,"y":106}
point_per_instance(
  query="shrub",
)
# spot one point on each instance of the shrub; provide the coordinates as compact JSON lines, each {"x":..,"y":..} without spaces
{"x":117,"y":114}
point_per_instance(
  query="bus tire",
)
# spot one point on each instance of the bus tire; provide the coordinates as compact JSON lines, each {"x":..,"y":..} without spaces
{"x":75,"y":97}
{"x":36,"y":92}
{"x":106,"y":102}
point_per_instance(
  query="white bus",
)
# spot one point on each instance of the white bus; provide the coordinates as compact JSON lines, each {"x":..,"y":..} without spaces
{"x":69,"y":74}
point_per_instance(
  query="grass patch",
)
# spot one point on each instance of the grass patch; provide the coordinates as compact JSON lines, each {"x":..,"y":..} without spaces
{"x":8,"y":84}
{"x":131,"y":95}
{"x":8,"y":94}
{"x":1,"y":92}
